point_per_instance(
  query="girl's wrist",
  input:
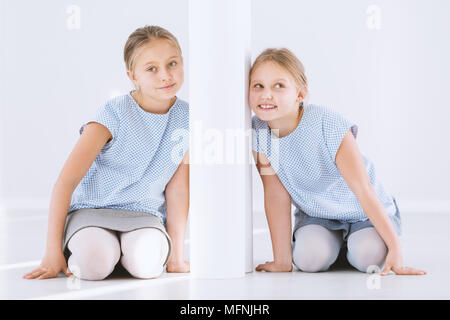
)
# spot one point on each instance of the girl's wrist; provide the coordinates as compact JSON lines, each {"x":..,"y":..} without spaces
{"x":394,"y":246}
{"x":53,"y":247}
{"x":175,"y":260}
{"x":283,"y":261}
{"x":283,"y":265}
{"x":176,"y":256}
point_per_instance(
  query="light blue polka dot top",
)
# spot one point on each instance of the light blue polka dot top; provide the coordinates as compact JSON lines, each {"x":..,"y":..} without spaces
{"x":133,"y":169}
{"x":304,"y":161}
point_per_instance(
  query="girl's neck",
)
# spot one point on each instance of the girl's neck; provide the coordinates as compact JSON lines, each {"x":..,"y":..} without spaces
{"x":151,"y":105}
{"x":286,"y":125}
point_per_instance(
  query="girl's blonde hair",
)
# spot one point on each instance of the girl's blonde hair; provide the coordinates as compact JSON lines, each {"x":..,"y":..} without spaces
{"x":287,"y":60}
{"x":142,"y":36}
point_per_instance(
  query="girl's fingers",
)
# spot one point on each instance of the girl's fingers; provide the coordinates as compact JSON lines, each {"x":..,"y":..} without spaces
{"x":386,"y":270}
{"x":42,"y":276}
{"x":422,"y":272}
{"x":262,"y":267}
{"x":35,"y":273}
{"x":31,"y":274}
{"x":47,"y":275}
{"x":68,"y":273}
{"x":38,"y":274}
{"x":408,"y":271}
{"x":28,"y":274}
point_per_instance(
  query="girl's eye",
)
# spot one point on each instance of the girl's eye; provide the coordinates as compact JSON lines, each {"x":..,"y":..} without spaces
{"x":173,"y":64}
{"x":152,"y":69}
{"x":278,"y":85}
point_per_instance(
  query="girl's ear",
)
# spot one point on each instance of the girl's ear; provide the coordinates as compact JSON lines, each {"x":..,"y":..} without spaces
{"x":300,"y":96}
{"x":130,"y":75}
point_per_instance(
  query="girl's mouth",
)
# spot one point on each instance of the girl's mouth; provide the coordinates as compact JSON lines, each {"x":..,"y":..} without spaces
{"x":266,"y":107}
{"x":168,"y":87}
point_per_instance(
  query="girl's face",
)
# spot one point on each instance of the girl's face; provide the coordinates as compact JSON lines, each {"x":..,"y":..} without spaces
{"x":158,"y":70}
{"x":273,"y":93}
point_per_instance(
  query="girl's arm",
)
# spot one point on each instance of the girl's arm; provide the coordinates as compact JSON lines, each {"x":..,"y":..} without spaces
{"x":277,"y":204}
{"x":351,"y":165}
{"x":177,"y":202}
{"x":80,"y":160}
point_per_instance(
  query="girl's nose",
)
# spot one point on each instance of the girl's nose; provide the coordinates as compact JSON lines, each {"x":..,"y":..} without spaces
{"x":267,"y":94}
{"x":165,"y":75}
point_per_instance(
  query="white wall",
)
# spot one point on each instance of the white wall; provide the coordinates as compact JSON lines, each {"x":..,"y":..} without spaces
{"x":391,"y":81}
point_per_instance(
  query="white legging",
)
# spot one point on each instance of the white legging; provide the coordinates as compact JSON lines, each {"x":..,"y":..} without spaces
{"x":316,"y":248}
{"x":96,"y":251}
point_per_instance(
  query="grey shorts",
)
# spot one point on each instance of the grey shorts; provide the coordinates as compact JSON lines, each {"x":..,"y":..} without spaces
{"x":112,"y":219}
{"x":302,"y":219}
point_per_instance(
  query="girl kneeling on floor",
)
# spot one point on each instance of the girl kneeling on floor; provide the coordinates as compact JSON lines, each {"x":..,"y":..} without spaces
{"x":123,"y":185}
{"x":307,"y":156}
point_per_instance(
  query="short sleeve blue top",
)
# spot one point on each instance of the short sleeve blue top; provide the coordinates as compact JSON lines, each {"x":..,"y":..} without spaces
{"x":133,"y":169}
{"x":304,"y":161}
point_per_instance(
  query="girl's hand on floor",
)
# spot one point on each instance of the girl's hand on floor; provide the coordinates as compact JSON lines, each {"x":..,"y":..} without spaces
{"x":178,"y":267}
{"x":394,"y":262}
{"x":50,"y":267}
{"x":274,"y":267}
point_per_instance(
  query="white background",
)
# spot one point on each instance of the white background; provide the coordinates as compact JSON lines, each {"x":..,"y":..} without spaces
{"x":392,"y":81}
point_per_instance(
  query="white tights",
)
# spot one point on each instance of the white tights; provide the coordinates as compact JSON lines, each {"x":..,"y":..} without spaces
{"x":96,"y":251}
{"x":316,"y":248}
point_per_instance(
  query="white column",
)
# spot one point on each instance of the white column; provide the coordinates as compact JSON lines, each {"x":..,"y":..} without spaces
{"x":220,"y":172}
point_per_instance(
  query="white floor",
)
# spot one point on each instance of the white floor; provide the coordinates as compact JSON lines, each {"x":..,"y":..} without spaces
{"x":426,"y":245}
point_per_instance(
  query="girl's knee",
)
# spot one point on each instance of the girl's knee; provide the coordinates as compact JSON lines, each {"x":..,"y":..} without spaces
{"x":92,"y":266}
{"x":310,"y":260}
{"x":144,"y":252}
{"x":315,"y":248}
{"x":95,"y":252}
{"x":366,"y":250}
